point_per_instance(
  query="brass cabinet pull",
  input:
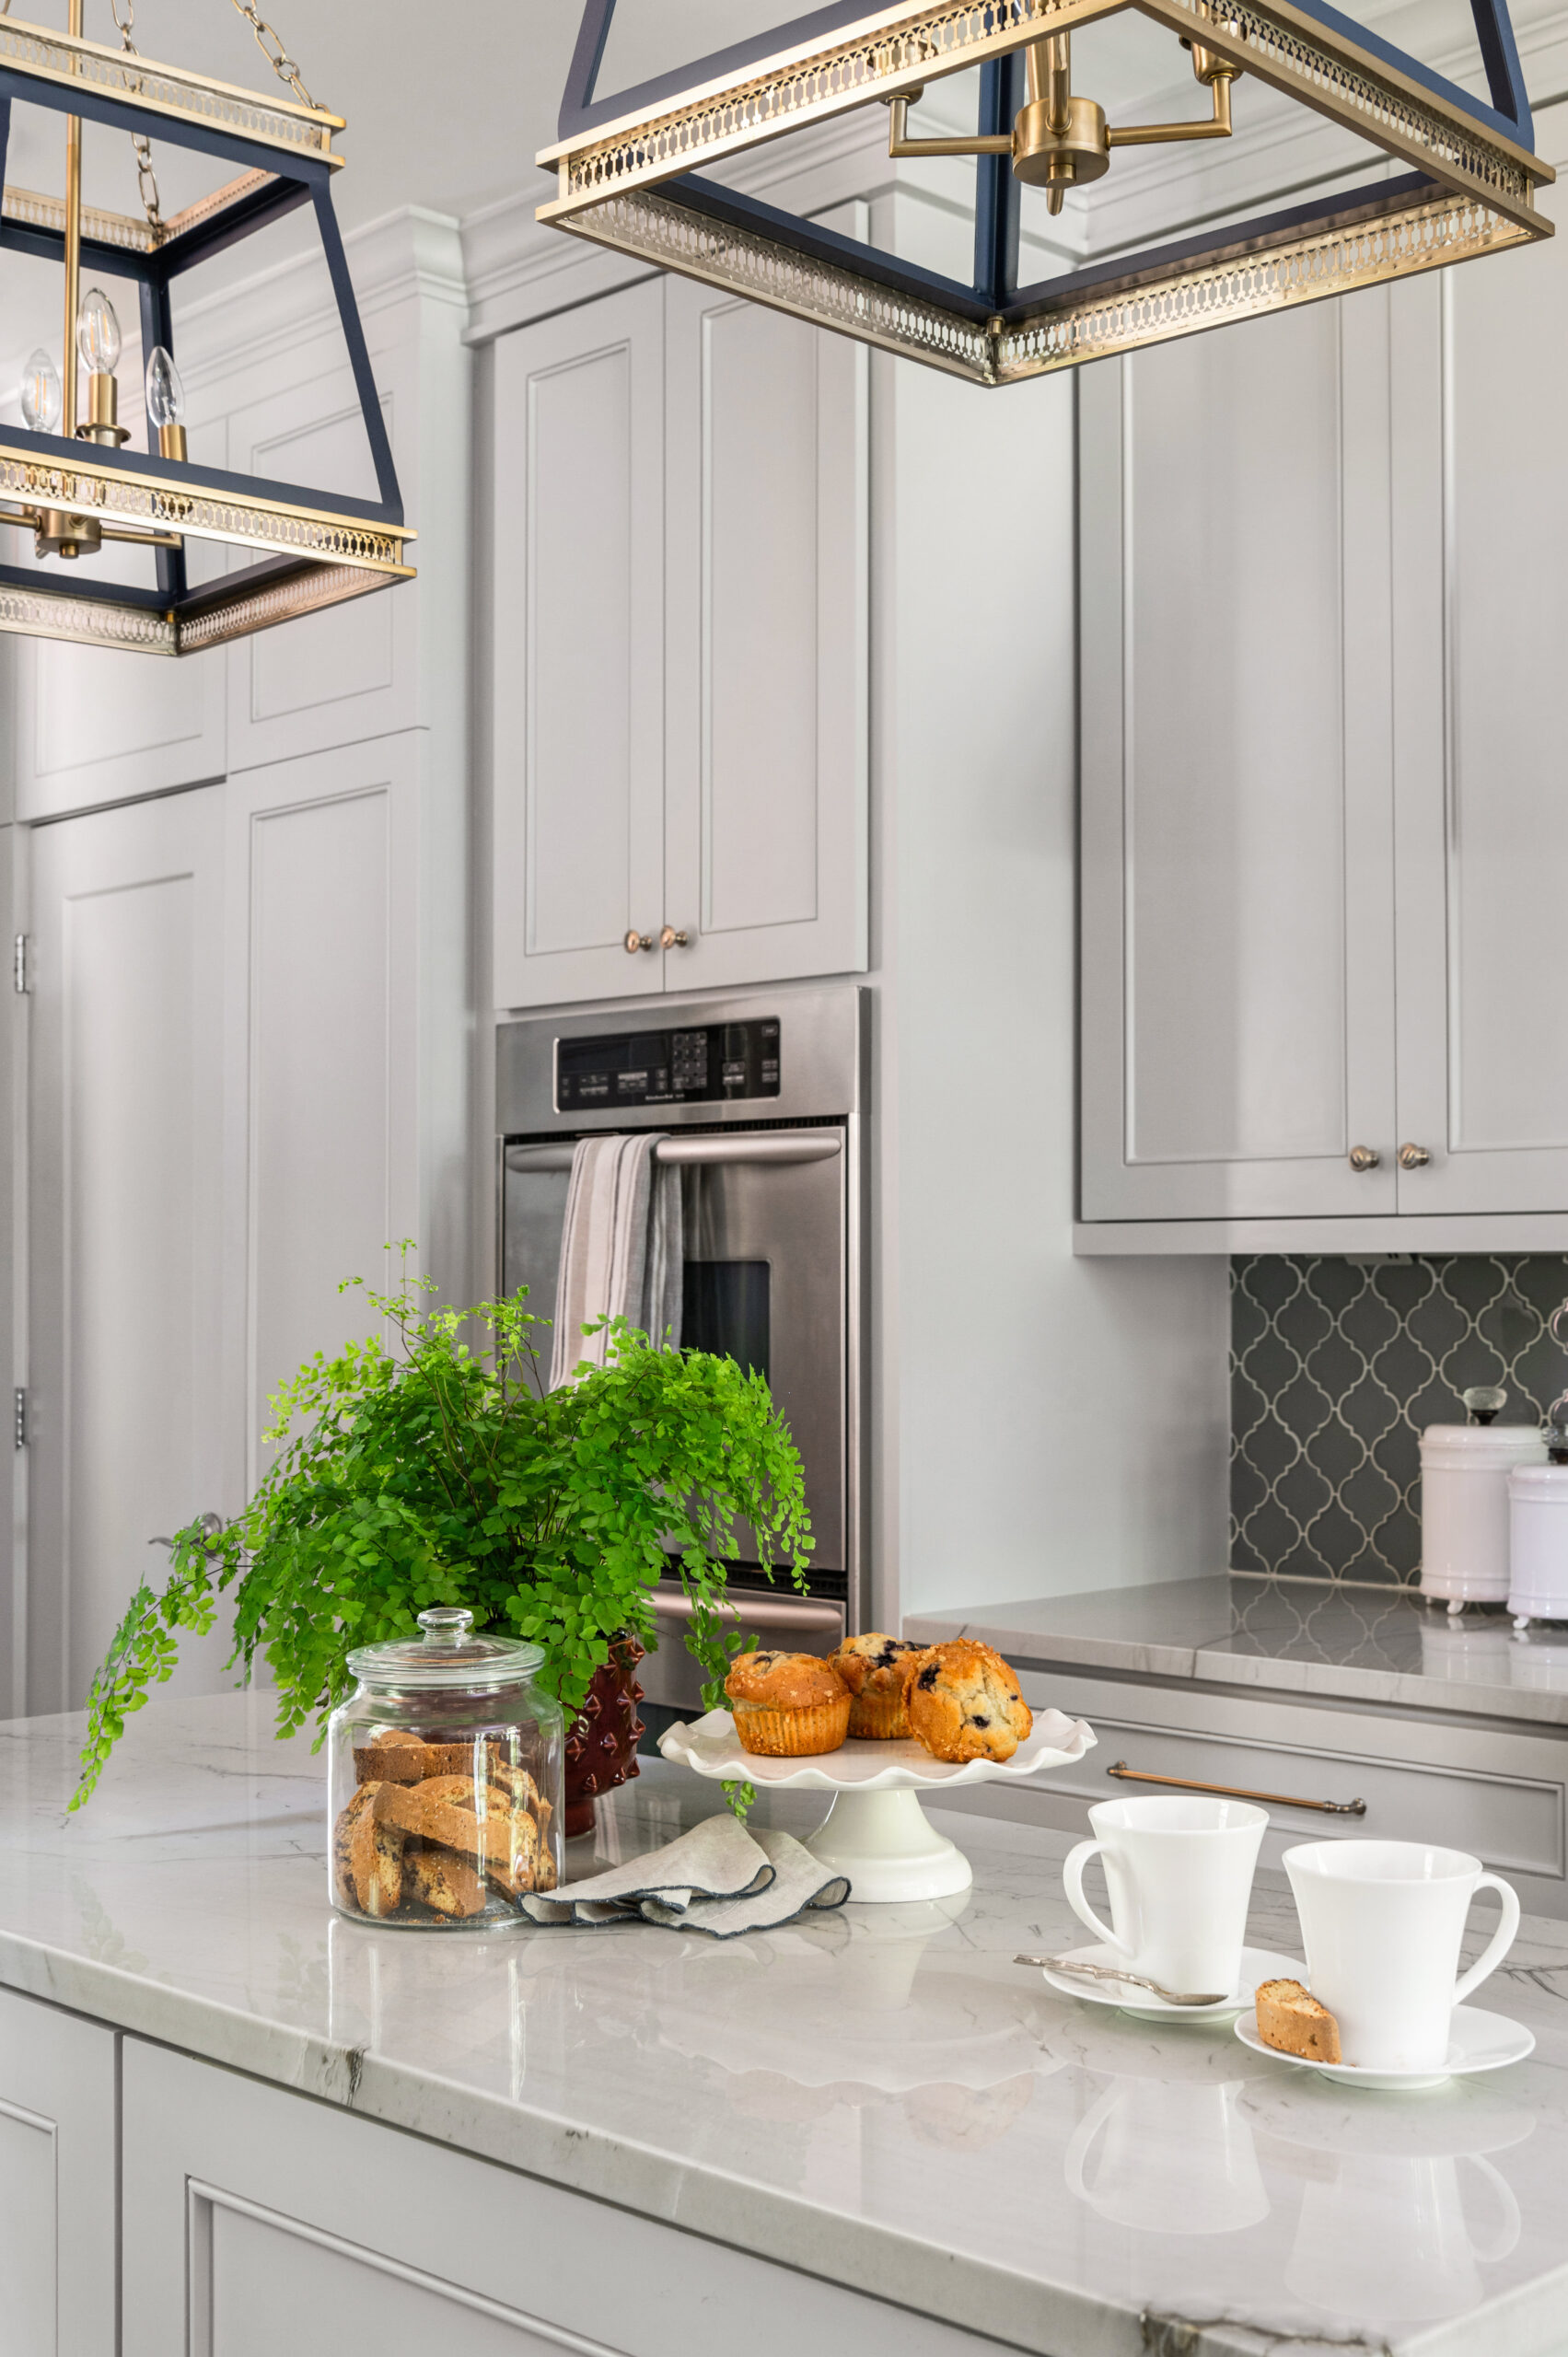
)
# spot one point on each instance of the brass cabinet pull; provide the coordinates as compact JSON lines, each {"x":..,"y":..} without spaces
{"x":1413,"y":1158}
{"x":1364,"y":1157}
{"x":635,"y":941}
{"x":1236,"y":1791}
{"x":670,"y":939}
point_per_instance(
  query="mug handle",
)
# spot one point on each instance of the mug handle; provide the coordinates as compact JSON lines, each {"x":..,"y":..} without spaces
{"x":1502,"y":1940}
{"x":1072,"y":1883}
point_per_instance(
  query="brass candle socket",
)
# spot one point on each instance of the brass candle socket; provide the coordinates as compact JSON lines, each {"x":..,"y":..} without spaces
{"x":103,"y":412}
{"x":63,"y":535}
{"x":172,"y":443}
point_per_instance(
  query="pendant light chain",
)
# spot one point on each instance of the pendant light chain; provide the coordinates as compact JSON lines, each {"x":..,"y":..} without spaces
{"x":272,"y":50}
{"x":147,"y":178}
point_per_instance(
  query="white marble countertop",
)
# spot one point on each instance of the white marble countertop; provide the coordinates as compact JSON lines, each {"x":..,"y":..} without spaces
{"x":1238,"y":1631}
{"x":881,"y":2097}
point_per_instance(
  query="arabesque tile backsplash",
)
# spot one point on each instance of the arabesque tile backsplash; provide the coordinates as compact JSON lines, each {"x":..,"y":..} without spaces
{"x":1336,"y":1366}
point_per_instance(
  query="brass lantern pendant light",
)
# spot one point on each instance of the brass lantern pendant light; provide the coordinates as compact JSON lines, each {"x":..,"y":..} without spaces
{"x":633,"y":171}
{"x":67,"y":476}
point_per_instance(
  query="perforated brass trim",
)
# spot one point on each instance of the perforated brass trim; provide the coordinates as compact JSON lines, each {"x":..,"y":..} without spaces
{"x":33,"y":613}
{"x":1301,"y":270}
{"x":1332,"y":262}
{"x":168,"y":90}
{"x":203,"y":514}
{"x":281,"y":602}
{"x":899,"y":50}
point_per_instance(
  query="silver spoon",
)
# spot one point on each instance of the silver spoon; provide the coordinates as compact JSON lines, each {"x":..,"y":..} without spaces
{"x":1128,"y":1979}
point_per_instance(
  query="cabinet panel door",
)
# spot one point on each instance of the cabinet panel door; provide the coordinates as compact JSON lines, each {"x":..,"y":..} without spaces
{"x":578,"y":691}
{"x":1236,"y":933}
{"x":59,"y":2146}
{"x":766,"y":523}
{"x":323,"y":940}
{"x":1482,"y":606}
{"x":256,"y":2220}
{"x":124,"y":1172}
{"x":94,"y":726}
{"x":353,"y":671}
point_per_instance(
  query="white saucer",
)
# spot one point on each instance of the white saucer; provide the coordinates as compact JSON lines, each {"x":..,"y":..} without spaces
{"x":1478,"y":2042}
{"x":1257,"y":1964}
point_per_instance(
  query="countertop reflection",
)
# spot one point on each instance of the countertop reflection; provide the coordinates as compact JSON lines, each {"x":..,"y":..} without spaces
{"x":881,"y":2096}
{"x":1303,"y":1636}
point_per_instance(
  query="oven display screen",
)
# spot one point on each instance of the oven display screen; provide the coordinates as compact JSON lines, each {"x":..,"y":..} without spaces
{"x":715,"y":1064}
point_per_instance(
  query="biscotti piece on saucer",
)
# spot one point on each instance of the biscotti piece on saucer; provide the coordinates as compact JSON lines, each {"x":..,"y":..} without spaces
{"x":872,"y":1666}
{"x":963,"y":1701}
{"x":787,"y":1706}
{"x":1293,"y":2022}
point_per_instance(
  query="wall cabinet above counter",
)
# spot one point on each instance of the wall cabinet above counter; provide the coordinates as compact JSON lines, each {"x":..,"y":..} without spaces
{"x":680,"y":665}
{"x":1323,"y":958}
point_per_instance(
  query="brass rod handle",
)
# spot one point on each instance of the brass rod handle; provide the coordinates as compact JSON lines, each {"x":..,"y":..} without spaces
{"x":1236,"y":1791}
{"x":1364,"y":1157}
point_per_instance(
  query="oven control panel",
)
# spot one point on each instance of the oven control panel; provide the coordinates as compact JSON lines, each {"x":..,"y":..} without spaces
{"x":712,"y":1064}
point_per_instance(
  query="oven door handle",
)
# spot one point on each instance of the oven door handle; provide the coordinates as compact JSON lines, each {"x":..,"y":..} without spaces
{"x":756,"y":1146}
{"x":776,"y":1612}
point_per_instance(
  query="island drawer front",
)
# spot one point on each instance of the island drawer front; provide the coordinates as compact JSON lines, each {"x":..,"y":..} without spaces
{"x":258,"y":2221}
{"x":1494,"y":1792}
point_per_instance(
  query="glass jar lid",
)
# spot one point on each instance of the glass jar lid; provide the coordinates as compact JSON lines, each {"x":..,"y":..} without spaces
{"x":447,"y":1654}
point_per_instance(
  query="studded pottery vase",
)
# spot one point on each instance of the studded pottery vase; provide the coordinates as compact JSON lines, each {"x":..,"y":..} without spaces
{"x":601,"y":1749}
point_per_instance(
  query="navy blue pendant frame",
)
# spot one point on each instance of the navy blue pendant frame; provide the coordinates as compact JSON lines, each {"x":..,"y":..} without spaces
{"x":628,"y":175}
{"x":314,"y":551}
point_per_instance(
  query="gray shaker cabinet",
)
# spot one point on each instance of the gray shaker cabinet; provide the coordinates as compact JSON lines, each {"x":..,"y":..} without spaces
{"x":59,"y":2182}
{"x":1324,"y":866}
{"x":680,"y":677}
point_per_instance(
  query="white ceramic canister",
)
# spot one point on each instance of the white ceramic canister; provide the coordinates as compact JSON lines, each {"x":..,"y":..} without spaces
{"x":1464,"y":1507}
{"x":1538,"y":1514}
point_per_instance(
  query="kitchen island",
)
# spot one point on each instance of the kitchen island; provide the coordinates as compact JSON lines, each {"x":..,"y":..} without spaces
{"x":870,"y":2130}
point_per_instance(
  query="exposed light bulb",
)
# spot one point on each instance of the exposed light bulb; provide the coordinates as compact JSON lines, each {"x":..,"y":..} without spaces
{"x":41,"y":396}
{"x":97,"y":334}
{"x":166,"y":393}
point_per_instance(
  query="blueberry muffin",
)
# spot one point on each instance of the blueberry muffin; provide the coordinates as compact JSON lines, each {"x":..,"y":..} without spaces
{"x":787,"y":1705}
{"x":872,"y":1667}
{"x":963,"y":1701}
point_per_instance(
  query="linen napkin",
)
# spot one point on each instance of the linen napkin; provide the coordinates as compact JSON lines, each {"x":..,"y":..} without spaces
{"x":718,"y":1878}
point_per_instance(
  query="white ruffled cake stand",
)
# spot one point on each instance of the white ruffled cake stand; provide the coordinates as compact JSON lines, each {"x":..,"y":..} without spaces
{"x":876,"y":1830}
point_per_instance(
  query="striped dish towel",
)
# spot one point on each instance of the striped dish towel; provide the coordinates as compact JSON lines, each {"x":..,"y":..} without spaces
{"x":621,"y":1250}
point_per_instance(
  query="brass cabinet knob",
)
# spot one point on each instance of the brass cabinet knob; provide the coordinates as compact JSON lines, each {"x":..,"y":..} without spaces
{"x":670,"y":939}
{"x":1413,"y":1158}
{"x":635,"y":941}
{"x":1364,"y":1157}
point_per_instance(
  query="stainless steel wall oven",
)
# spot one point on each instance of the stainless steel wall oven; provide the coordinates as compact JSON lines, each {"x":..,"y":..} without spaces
{"x":762,"y":1099}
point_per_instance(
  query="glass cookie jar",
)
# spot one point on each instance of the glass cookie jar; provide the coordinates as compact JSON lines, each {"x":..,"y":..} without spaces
{"x":445,"y":1780}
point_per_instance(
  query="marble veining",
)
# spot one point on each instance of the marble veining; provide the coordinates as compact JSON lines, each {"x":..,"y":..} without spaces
{"x":1303,"y":1637}
{"x":883,"y":2098}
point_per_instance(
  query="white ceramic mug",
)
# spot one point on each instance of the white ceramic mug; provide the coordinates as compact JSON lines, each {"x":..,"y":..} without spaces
{"x":1180,"y":1875}
{"x":1382,"y":1922}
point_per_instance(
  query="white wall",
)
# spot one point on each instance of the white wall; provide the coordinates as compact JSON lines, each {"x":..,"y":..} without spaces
{"x":1047,"y":1424}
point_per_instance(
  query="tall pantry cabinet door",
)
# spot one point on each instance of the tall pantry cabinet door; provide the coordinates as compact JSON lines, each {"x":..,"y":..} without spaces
{"x":325,"y":954}
{"x":766,"y":518}
{"x":124,"y":1174}
{"x":577,"y":693}
{"x":1482,"y":607}
{"x":1237,"y":893}
{"x":59,"y":2192}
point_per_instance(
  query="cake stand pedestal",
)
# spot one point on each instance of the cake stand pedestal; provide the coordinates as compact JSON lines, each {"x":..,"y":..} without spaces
{"x":876,"y":1830}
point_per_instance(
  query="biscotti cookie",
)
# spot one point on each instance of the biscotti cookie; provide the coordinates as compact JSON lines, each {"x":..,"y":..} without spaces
{"x":872,"y":1667}
{"x":1293,"y":2021}
{"x":963,"y":1701}
{"x":505,"y":1845}
{"x":342,"y":1845}
{"x":376,"y":1854}
{"x":787,"y":1706}
{"x":445,"y":1883}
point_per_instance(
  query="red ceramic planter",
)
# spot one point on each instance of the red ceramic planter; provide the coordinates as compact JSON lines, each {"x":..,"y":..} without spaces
{"x":601,"y":1751}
